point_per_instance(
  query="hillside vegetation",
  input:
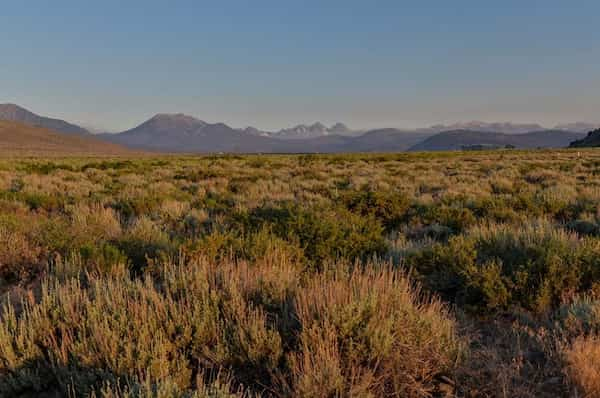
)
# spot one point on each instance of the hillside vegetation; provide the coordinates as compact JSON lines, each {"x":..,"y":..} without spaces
{"x":20,"y":140}
{"x":469,"y":274}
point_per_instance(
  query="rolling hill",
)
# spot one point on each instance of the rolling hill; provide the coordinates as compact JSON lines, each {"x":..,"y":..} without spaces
{"x":22,"y":139}
{"x":15,"y":113}
{"x":459,"y":139}
{"x":592,"y":139}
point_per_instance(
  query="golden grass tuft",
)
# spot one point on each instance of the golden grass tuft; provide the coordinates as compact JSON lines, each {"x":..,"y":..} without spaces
{"x":583,"y":365}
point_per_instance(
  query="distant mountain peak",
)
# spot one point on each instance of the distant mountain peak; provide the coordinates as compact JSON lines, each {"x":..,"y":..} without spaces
{"x":9,"y":105}
{"x":315,"y":130}
{"x":175,"y":117}
{"x":15,"y":113}
{"x":339,"y":128}
{"x":173,"y":122}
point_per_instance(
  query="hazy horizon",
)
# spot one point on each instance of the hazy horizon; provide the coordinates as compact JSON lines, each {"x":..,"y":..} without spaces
{"x":110,"y":66}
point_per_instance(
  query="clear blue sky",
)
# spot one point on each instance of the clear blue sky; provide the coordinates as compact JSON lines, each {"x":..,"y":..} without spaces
{"x":270,"y":64}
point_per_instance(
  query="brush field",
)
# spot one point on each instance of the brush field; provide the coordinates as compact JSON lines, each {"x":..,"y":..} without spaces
{"x":468,"y":274}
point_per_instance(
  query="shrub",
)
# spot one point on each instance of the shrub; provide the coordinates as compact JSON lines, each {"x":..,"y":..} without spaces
{"x":324,"y":234}
{"x":198,"y":317}
{"x":387,"y":207}
{"x":583,"y":365}
{"x":20,"y":257}
{"x":251,"y":246}
{"x":535,"y":267}
{"x":130,"y":208}
{"x":442,"y":266}
{"x":143,"y":241}
{"x":40,"y":201}
{"x":368,"y":334}
{"x":584,"y":227}
{"x":257,"y":323}
{"x":540,"y":263}
{"x":581,"y":316}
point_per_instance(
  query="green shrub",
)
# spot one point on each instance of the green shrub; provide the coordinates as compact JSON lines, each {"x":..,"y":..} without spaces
{"x":130,"y":208}
{"x":581,"y":316}
{"x":325,"y":235}
{"x":494,"y":268}
{"x":387,"y":207}
{"x":444,"y":268}
{"x":105,"y":259}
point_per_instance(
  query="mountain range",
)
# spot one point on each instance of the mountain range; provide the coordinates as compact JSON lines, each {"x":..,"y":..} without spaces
{"x":182,"y":133}
{"x":314,"y":130}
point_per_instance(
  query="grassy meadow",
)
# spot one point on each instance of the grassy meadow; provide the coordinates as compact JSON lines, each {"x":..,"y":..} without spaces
{"x":467,"y":274}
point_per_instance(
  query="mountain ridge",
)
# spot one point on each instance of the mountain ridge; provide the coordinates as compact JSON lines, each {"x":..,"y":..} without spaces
{"x":20,"y":138}
{"x":16,"y":113}
{"x":459,"y":139}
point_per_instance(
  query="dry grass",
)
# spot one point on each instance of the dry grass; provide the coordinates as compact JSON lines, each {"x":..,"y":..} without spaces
{"x":583,"y":365}
{"x":369,"y":333}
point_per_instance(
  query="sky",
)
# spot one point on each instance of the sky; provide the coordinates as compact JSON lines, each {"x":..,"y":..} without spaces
{"x":272,"y":64}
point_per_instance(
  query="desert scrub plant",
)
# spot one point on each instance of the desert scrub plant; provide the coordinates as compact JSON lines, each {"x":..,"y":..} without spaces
{"x":224,"y":244}
{"x":259,"y":323}
{"x":442,"y":267}
{"x":456,"y":218}
{"x":370,"y":333}
{"x":142,"y":241}
{"x":541,"y":263}
{"x":494,"y":267}
{"x":324,"y":234}
{"x":20,"y":257}
{"x":94,"y":223}
{"x":581,"y":316}
{"x":112,"y":328}
{"x":583,"y":365}
{"x":388,"y":207}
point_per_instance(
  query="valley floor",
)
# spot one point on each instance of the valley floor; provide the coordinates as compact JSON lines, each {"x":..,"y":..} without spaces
{"x":470,"y":274}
